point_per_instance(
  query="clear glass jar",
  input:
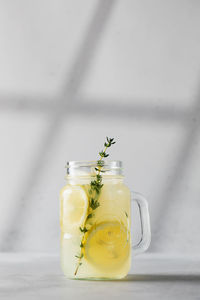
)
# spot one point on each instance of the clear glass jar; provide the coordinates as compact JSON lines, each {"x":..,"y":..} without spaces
{"x":95,"y":236}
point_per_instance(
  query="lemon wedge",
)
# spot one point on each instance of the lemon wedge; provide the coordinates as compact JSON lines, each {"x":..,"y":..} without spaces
{"x":107,"y":245}
{"x":74,"y":207}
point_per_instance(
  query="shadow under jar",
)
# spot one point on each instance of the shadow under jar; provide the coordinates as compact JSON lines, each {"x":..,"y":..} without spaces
{"x":95,"y":225}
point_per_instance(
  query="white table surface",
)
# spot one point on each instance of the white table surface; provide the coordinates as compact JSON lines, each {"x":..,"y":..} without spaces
{"x":38,"y":276}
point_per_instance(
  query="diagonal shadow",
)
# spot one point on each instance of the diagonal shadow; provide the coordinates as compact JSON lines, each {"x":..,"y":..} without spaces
{"x":56,"y":117}
{"x":168,"y":194}
{"x":24,"y":103}
{"x":89,"y":107}
{"x":132,"y":111}
{"x":88,"y":48}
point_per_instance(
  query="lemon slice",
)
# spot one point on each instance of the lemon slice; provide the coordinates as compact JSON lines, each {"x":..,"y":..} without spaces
{"x":107,"y":245}
{"x":75,"y":206}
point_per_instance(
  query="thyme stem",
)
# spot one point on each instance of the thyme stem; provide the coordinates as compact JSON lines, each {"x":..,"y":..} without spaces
{"x":94,"y":191}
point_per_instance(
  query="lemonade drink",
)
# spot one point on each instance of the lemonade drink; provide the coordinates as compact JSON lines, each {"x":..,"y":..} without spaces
{"x":95,"y":243}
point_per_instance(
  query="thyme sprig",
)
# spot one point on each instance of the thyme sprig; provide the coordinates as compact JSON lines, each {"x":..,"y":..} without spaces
{"x":94,"y":193}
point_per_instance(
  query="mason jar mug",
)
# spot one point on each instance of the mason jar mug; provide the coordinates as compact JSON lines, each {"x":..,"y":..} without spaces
{"x":95,"y":222}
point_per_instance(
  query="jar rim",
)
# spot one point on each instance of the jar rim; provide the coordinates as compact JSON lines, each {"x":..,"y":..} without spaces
{"x":91,"y":163}
{"x":109,"y":167}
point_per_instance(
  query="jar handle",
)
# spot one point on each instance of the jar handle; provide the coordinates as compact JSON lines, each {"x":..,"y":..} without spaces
{"x":145,"y":240}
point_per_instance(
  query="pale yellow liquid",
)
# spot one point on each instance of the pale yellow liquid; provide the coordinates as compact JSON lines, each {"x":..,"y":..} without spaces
{"x":106,"y":251}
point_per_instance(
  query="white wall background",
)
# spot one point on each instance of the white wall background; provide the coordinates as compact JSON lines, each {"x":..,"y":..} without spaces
{"x":72,"y":72}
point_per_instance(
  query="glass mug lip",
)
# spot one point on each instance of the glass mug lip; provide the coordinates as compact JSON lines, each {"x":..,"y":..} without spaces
{"x":87,"y":168}
{"x":88,"y":163}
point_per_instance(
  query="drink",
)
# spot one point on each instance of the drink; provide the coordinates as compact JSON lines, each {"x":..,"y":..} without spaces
{"x":96,"y":246}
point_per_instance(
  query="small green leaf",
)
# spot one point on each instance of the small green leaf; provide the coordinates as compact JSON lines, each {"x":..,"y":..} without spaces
{"x":94,"y":203}
{"x":99,"y":177}
{"x":84,"y":229}
{"x":101,"y":154}
{"x":79,"y":256}
{"x":89,"y":217}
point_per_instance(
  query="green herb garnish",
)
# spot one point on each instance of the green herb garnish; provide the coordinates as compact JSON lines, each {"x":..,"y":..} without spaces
{"x":94,"y":193}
